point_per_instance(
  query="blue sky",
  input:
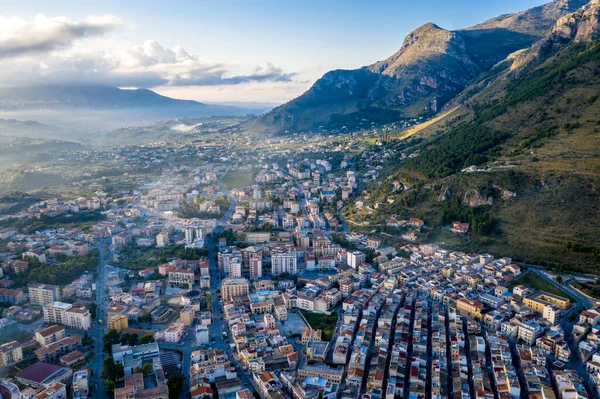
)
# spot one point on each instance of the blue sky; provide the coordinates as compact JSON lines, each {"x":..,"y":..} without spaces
{"x":267,"y":50}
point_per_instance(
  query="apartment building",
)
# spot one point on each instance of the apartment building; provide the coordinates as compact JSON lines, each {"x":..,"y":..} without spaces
{"x":255,"y":267}
{"x":67,"y":315}
{"x":182,"y":277}
{"x":234,"y":287}
{"x":355,"y":258}
{"x":117,"y":322}
{"x":175,"y":332}
{"x":10,"y":353}
{"x":284,"y":261}
{"x":470,"y":307}
{"x":46,"y":336}
{"x":41,"y":294}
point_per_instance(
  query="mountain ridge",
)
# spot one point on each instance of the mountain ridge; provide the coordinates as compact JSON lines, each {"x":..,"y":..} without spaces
{"x":431,"y":67}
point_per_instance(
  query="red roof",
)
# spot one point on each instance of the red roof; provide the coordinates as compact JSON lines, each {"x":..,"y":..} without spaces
{"x":38,"y":372}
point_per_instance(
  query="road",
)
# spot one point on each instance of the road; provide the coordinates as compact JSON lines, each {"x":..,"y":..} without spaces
{"x":98,"y":332}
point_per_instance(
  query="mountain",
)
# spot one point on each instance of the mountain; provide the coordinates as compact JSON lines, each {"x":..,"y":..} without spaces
{"x":531,"y":126}
{"x":100,"y":107}
{"x":431,"y":67}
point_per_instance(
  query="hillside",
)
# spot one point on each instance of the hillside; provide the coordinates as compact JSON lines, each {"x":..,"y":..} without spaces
{"x":89,"y":109}
{"x":533,"y":129}
{"x":431,"y":67}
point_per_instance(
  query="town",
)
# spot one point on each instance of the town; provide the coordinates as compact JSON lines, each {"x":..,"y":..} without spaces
{"x":216,"y":281}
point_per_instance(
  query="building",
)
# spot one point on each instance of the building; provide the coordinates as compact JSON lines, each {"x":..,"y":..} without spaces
{"x":255,"y":267}
{"x":117,"y":321}
{"x":72,"y":358}
{"x":53,"y":350}
{"x":187,"y":315}
{"x":67,"y":315}
{"x":175,"y":333}
{"x":10,"y":295}
{"x":142,"y":352}
{"x":284,"y":261}
{"x":529,"y":331}
{"x":355,"y":258}
{"x":46,"y":336}
{"x":10,"y":353}
{"x":182,"y":277}
{"x":42,"y":375}
{"x":330,"y":374}
{"x":310,"y":335}
{"x":551,"y":313}
{"x":235,"y":268}
{"x":41,"y":294}
{"x":81,"y":384}
{"x":202,"y":336}
{"x":539,"y":299}
{"x":234,"y":287}
{"x":470,"y":307}
{"x":162,"y":239}
{"x":54,"y":391}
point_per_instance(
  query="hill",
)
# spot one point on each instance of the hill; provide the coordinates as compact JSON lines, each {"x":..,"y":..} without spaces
{"x":532,"y":129}
{"x":432,"y":66}
{"x":100,"y":108}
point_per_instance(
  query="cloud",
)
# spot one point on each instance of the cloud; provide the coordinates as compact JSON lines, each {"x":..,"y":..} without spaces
{"x":59,"y":50}
{"x":42,"y":34}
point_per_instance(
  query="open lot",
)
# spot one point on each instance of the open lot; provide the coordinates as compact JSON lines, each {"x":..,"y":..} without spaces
{"x":238,"y":178}
{"x":293,"y":325}
{"x":324,"y":322}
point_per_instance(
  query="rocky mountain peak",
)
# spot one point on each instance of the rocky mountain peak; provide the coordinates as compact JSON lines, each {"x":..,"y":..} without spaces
{"x":580,"y":26}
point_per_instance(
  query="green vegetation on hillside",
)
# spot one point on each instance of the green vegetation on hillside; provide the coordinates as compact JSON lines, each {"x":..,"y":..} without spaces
{"x":150,"y":258}
{"x":534,"y":281}
{"x":590,"y":289}
{"x":62,"y":272}
{"x":31,"y":225}
{"x":466,"y":145}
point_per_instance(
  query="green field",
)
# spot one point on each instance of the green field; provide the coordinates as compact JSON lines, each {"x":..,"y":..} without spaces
{"x":534,"y":281}
{"x":238,"y":178}
{"x":323,"y":322}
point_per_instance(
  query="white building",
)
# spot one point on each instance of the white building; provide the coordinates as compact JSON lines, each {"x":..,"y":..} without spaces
{"x":175,"y":333}
{"x":284,"y":261}
{"x":67,"y":315}
{"x":551,"y":313}
{"x":355,"y":258}
{"x":202,"y":336}
{"x":235,"y":268}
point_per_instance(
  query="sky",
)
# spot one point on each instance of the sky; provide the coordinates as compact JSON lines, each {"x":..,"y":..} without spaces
{"x":215,"y":51}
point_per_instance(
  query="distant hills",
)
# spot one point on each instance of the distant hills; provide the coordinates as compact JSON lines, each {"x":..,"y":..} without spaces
{"x":104,"y":108}
{"x":431,"y":67}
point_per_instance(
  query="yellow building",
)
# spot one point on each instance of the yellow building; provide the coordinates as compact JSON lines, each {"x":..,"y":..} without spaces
{"x":539,"y":299}
{"x":117,"y":322}
{"x":10,"y":353}
{"x":470,"y":308}
{"x":187,"y":315}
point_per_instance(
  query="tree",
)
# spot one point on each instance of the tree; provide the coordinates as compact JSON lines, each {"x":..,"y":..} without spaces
{"x":108,"y":368}
{"x":175,"y":385}
{"x":112,"y":370}
{"x":109,"y":339}
{"x":559,"y":279}
{"x":109,"y":387}
{"x":87,"y":340}
{"x":91,"y":306}
{"x":146,"y":339}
